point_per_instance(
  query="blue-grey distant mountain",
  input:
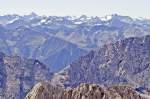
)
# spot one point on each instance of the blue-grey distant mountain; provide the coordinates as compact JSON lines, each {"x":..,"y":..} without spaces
{"x":57,"y":41}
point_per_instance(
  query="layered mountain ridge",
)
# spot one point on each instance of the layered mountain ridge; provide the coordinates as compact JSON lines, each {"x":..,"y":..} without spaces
{"x":58,"y":41}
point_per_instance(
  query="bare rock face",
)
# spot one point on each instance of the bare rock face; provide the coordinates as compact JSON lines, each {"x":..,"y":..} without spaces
{"x":84,"y":91}
{"x":18,"y":75}
{"x":124,"y":62}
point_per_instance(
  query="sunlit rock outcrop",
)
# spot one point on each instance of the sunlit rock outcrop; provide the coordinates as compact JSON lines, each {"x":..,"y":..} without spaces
{"x":84,"y":91}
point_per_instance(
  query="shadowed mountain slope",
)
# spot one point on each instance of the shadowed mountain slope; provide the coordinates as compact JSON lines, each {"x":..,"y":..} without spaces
{"x":124,"y":62}
{"x":18,"y":75}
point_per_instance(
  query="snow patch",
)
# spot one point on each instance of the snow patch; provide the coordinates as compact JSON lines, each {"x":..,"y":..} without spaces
{"x":13,"y":20}
{"x":106,"y":18}
{"x":79,"y":22}
{"x":43,"y":21}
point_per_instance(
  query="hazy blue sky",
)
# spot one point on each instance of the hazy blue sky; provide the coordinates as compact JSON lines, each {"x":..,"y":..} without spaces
{"x":134,"y":8}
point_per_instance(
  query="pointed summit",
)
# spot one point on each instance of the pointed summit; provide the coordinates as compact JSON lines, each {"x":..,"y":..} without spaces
{"x":33,"y":14}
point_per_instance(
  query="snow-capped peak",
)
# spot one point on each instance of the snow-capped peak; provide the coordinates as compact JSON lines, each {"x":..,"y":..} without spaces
{"x":106,"y":18}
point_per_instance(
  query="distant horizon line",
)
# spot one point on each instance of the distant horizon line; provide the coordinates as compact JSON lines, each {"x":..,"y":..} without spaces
{"x":102,"y":16}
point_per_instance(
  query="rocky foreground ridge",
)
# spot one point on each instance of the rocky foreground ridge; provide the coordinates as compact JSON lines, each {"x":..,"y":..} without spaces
{"x":84,"y":91}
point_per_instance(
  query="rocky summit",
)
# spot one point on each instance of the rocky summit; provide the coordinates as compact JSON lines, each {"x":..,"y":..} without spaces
{"x":124,"y":62}
{"x":18,"y":75}
{"x":84,"y":91}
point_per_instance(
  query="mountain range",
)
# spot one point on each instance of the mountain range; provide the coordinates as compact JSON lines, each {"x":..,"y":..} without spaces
{"x":63,"y":52}
{"x":125,"y":62}
{"x":57,"y":41}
